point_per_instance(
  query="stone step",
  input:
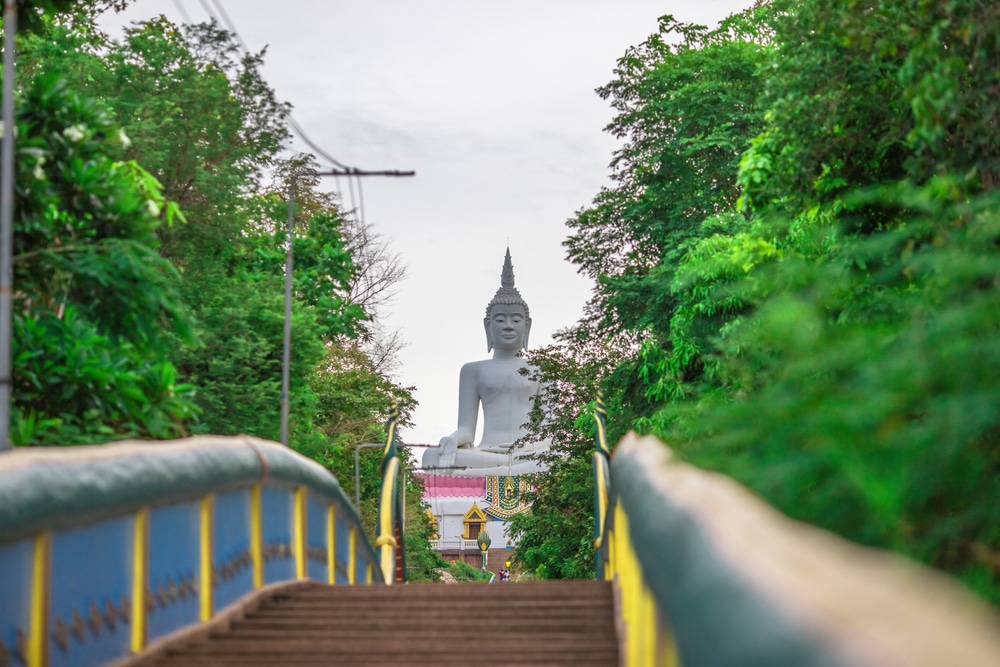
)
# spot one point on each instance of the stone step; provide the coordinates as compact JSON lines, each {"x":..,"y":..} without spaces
{"x":593,"y":622}
{"x":536,"y":623}
{"x":527,"y":659}
{"x":571,"y":590}
{"x":502,"y":607}
{"x":356,"y":635}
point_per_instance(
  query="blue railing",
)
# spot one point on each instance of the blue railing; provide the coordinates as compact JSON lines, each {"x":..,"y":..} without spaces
{"x":106,"y":549}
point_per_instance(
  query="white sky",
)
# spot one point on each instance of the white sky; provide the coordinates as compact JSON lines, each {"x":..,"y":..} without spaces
{"x":493,"y":105}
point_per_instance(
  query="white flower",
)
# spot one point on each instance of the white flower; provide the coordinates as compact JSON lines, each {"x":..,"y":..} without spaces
{"x":154,"y":210}
{"x":74,"y":133}
{"x":38,"y":172}
{"x":123,"y":138}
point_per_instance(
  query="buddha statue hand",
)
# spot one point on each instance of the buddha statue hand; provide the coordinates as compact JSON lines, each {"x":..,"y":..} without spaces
{"x":448,"y":448}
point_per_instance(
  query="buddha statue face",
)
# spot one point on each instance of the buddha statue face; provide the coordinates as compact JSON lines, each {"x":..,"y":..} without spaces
{"x":507,"y":327}
{"x":507,"y":320}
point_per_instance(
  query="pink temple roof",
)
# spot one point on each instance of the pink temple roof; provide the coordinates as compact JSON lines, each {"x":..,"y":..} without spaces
{"x":450,"y":486}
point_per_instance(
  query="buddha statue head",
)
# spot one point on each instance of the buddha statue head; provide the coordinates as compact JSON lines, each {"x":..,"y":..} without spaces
{"x":507,"y":320}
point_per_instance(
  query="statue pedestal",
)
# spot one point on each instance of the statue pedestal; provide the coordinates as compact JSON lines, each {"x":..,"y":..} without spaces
{"x":465,"y":506}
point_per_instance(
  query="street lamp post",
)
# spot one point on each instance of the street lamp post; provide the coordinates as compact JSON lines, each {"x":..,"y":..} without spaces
{"x":357,"y":473}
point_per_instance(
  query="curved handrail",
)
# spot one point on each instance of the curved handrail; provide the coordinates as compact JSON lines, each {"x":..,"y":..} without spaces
{"x":48,"y":488}
{"x":106,"y":548}
{"x":602,"y":477}
{"x":709,"y":574}
{"x":390,"y":540}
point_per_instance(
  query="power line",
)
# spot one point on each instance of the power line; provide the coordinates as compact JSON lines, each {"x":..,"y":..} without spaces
{"x":296,"y":128}
{"x":350,"y":189}
{"x":361,"y":201}
{"x":184,"y":14}
{"x":229,"y":26}
{"x":319,"y":151}
{"x":340,"y":192}
{"x":208,"y":10}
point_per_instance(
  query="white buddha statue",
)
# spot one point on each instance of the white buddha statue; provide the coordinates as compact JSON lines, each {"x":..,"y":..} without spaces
{"x":505,"y":390}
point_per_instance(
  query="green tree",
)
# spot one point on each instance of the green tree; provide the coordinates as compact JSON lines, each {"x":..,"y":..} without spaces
{"x":555,"y":539}
{"x":112,"y":298}
{"x":686,"y":103}
{"x":825,"y":329}
{"x":93,"y":298}
{"x":867,"y":393}
{"x":686,"y":108}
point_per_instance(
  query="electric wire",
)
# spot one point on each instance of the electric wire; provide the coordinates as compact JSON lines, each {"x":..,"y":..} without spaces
{"x":354,"y":206}
{"x":208,"y":10}
{"x":361,"y":200}
{"x":230,"y":27}
{"x":223,"y":17}
{"x":338,"y":190}
{"x":319,"y":151}
{"x":183,"y":12}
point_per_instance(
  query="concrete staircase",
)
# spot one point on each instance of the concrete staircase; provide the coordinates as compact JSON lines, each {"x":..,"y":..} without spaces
{"x":536,"y":623}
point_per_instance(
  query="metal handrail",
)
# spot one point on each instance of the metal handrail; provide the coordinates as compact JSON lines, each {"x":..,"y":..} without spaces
{"x":389,"y":542}
{"x":707,"y":574}
{"x":125,"y":543}
{"x":602,"y":477}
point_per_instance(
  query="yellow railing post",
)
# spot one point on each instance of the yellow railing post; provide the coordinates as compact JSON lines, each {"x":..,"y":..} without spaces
{"x":140,"y":575}
{"x":666,"y":648}
{"x":331,"y":544}
{"x":612,"y":539}
{"x":299,"y":533}
{"x":205,"y":575}
{"x":39,"y":619}
{"x":352,"y":555}
{"x":256,"y":537}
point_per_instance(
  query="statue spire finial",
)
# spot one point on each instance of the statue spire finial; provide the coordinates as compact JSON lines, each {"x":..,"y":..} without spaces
{"x":507,"y":275}
{"x":507,"y":294}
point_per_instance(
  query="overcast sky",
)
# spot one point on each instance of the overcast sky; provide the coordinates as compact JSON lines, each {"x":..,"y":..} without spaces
{"x":493,"y":105}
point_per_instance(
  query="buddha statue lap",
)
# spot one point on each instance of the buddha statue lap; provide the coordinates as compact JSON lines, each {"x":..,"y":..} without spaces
{"x":505,"y":390}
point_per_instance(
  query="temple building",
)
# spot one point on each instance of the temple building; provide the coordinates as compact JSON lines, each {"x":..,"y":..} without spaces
{"x":463,"y":507}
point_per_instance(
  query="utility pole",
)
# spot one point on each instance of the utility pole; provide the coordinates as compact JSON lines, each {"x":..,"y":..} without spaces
{"x":7,"y":220}
{"x":286,"y":356}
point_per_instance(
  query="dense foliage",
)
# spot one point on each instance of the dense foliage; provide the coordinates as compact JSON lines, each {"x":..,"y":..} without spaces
{"x":824,"y":327}
{"x":554,"y":540}
{"x":686,"y":103}
{"x":93,"y":297}
{"x":149,"y":259}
